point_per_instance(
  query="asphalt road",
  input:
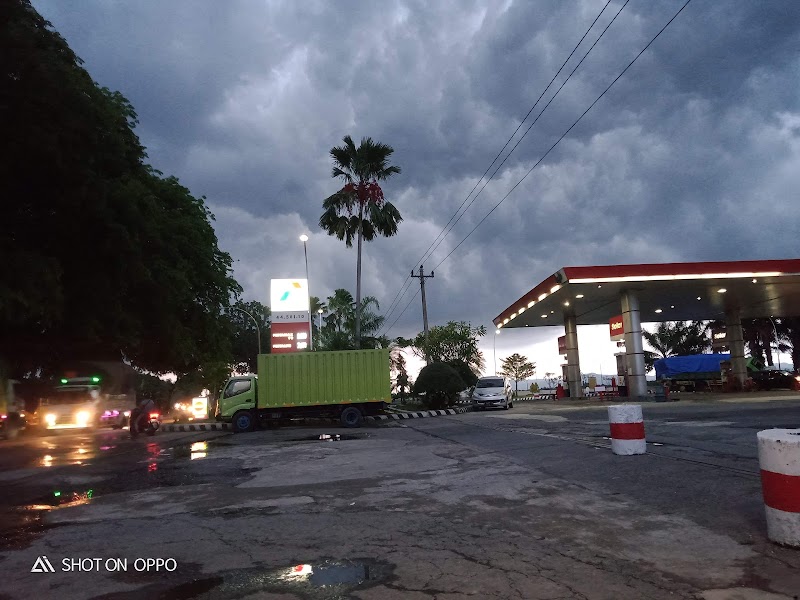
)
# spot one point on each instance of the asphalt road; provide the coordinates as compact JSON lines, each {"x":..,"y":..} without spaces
{"x":526,"y":503}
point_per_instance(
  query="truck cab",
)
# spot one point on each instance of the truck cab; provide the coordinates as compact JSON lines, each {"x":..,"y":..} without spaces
{"x":240,"y":393}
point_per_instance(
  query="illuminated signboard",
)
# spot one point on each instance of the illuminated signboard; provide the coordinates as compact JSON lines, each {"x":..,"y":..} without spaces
{"x":288,"y":296}
{"x":290,"y":337}
{"x":616,"y":328}
{"x":562,"y":345}
{"x":719,"y":337}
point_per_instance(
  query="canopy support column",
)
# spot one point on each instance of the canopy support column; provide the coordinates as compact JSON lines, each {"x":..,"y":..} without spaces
{"x":635,"y":379}
{"x":735,"y":339}
{"x":573,"y":361}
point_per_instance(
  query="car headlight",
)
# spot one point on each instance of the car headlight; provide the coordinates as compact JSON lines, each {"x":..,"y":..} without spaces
{"x":127,"y":413}
{"x":82,"y":417}
{"x":50,"y":419}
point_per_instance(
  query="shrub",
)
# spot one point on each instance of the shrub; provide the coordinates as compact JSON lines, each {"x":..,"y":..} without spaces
{"x":440,"y":383}
{"x":467,"y":376}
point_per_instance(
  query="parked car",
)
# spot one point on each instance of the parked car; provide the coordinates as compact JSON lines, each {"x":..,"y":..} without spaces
{"x":775,"y":379}
{"x":492,"y":392}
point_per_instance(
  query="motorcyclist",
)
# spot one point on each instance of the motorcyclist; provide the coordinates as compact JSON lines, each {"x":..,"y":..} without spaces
{"x":140,"y":414}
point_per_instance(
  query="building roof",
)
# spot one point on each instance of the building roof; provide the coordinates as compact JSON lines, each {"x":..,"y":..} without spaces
{"x":666,"y":292}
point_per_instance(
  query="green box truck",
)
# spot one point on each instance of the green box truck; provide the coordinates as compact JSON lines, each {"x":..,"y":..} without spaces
{"x":347,"y":385}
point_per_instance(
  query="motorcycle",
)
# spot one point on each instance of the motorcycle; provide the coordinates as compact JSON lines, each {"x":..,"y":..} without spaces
{"x":144,"y":422}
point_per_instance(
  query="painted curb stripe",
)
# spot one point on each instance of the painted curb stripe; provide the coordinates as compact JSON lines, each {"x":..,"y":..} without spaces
{"x":627,"y":431}
{"x":781,"y":492}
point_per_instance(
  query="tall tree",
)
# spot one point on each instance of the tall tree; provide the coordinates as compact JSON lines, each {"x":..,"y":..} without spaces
{"x":103,"y":257}
{"x":676,"y":338}
{"x":361,"y":168}
{"x":517,"y":367}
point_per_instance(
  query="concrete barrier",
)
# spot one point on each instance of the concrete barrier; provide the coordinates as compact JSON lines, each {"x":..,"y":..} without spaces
{"x":627,"y":429}
{"x":779,"y":459}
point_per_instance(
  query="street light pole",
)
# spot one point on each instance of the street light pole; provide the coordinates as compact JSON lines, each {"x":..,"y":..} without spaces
{"x":258,"y":329}
{"x":494,"y":349}
{"x":304,"y":239}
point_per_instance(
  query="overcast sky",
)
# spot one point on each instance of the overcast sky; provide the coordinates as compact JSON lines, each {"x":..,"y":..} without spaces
{"x":693,"y":155}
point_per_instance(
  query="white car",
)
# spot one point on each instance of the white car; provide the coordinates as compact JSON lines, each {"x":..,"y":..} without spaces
{"x":492,"y":391}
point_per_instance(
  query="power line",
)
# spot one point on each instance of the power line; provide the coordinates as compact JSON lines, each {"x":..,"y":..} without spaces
{"x":541,"y":112}
{"x":583,"y":114}
{"x":414,"y":297}
{"x":434,"y":245}
{"x":431,"y":248}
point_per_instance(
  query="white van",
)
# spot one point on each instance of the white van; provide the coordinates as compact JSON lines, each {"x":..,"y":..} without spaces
{"x":492,"y":391}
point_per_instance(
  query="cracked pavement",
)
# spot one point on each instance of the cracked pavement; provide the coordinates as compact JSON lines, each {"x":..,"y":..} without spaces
{"x":528,"y":503}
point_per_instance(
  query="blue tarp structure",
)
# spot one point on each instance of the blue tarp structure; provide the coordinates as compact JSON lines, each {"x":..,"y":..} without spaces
{"x":694,"y":363}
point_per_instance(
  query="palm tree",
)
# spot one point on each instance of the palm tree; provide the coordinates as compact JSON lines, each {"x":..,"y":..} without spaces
{"x":676,"y":338}
{"x":371,"y":324}
{"x":340,"y":307}
{"x":361,"y":169}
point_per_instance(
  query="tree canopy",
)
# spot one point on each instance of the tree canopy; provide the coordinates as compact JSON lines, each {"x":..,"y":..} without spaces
{"x":456,"y":341}
{"x":517,"y":367}
{"x":103,"y":256}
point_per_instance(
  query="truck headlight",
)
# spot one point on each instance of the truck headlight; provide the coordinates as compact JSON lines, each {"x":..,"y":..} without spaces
{"x":83,"y":417}
{"x":50,"y":419}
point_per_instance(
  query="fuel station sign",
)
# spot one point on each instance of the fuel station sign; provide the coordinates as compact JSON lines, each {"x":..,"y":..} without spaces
{"x":291,"y":320}
{"x":616,"y":328}
{"x":290,"y":337}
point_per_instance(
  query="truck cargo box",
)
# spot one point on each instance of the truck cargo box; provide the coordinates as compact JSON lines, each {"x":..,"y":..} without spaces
{"x":323,"y":378}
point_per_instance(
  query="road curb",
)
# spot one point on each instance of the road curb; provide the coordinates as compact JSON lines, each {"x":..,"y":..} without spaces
{"x":197,"y":427}
{"x":420,"y":414}
{"x":399,"y":416}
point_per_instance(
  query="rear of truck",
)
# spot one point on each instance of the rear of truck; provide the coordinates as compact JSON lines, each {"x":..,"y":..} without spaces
{"x":345,"y":385}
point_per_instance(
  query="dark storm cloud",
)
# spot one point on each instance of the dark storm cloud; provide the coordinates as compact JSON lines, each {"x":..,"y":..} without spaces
{"x":693,"y":155}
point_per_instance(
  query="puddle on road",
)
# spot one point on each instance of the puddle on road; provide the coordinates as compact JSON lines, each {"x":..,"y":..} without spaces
{"x":327,"y":437}
{"x":193,"y":451}
{"x":61,"y":499}
{"x":324,"y":580}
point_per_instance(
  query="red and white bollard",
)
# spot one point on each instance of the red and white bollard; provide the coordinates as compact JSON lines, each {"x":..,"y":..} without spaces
{"x":627,"y":429}
{"x":779,"y":458}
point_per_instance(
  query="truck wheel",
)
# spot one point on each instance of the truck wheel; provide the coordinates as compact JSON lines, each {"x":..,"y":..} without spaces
{"x":243,"y":421}
{"x":351,"y":417}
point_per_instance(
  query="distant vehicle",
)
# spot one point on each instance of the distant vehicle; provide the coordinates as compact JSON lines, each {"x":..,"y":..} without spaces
{"x":190,"y":410}
{"x":695,"y":372}
{"x":145,"y":418}
{"x":775,"y":379}
{"x":13,"y":417}
{"x":345,"y":385}
{"x":492,"y":392}
{"x":89,"y":394}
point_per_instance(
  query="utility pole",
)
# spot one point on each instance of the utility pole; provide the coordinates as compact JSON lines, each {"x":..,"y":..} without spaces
{"x":422,"y":277}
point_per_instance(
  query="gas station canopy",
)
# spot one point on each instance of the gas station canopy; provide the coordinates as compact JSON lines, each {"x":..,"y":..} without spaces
{"x":665,"y":292}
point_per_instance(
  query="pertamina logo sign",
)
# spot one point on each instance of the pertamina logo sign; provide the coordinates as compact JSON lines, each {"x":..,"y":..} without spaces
{"x":288,"y":295}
